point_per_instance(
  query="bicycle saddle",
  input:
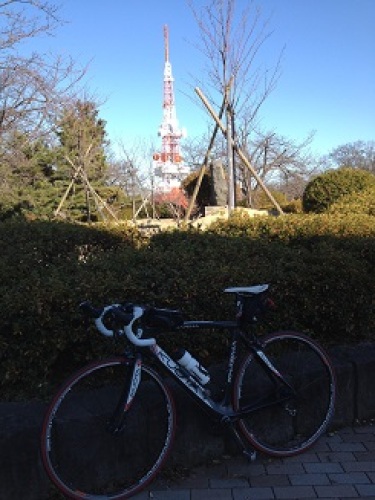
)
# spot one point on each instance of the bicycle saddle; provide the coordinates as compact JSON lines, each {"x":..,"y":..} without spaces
{"x":247,"y":290}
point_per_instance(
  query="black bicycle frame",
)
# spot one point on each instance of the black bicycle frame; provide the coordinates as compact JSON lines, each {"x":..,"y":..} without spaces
{"x":199,"y":392}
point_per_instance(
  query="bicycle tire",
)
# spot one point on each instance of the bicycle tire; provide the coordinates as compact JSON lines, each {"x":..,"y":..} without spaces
{"x":83,"y":457}
{"x":293,"y":425}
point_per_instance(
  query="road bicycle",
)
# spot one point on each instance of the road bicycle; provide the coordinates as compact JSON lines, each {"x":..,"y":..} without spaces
{"x":110,"y":428}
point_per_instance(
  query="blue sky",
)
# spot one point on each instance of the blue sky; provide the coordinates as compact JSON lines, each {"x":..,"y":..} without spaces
{"x":327,"y":83}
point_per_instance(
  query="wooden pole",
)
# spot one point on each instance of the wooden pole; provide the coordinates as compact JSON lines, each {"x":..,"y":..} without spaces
{"x":79,"y":171}
{"x":239,"y":151}
{"x":203,"y":167}
{"x":57,"y":211}
{"x":229,"y":137}
{"x":96,"y":195}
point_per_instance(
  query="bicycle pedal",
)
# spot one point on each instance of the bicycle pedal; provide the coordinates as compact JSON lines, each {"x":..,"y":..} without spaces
{"x":251,"y":455}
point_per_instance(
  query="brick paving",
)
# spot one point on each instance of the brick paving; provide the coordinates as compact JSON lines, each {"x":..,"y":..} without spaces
{"x":340,"y":466}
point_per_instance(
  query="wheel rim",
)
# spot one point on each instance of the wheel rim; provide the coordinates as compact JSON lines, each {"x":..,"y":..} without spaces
{"x":82,"y":454}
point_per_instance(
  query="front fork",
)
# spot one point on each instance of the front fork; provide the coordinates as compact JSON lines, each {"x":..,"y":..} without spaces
{"x":131,"y":383}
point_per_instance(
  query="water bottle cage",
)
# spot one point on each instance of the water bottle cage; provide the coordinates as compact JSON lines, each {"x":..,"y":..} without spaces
{"x":196,"y":378}
{"x":192,"y":367}
{"x":193,"y":377}
{"x":190,"y":375}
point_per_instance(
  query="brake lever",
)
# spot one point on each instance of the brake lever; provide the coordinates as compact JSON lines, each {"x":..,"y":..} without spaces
{"x":88,"y":310}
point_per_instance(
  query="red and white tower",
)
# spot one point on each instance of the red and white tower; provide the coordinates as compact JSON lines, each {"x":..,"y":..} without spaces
{"x":168,"y":164}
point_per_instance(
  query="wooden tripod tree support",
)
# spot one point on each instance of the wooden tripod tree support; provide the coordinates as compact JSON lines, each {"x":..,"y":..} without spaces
{"x":145,"y":201}
{"x":203,"y":168}
{"x":79,"y":172}
{"x":237,"y":149}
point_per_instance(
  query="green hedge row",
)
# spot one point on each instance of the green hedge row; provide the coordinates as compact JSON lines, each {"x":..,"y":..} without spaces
{"x":296,"y":226}
{"x":321,"y":269}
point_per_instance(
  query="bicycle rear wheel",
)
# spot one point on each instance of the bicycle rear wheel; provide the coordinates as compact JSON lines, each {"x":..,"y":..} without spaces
{"x":292,"y":424}
{"x":82,"y":454}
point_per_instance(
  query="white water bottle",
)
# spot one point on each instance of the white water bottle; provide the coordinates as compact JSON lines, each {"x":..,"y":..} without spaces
{"x":186,"y":360}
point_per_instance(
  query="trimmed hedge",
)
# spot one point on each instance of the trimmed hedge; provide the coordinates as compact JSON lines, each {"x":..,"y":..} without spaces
{"x":321,"y":269}
{"x":295,"y":226}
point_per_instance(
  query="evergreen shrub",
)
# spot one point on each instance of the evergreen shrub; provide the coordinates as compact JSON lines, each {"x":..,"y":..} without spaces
{"x":327,"y":188}
{"x":355,"y":203}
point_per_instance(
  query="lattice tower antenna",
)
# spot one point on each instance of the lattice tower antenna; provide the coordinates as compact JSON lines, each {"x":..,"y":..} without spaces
{"x":168,"y":164}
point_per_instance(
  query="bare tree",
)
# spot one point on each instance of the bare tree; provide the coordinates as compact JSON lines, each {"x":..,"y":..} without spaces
{"x":359,"y":154}
{"x":131,"y":167}
{"x":33,"y":86}
{"x":131,"y":170}
{"x":231,"y":42}
{"x":279,"y":161}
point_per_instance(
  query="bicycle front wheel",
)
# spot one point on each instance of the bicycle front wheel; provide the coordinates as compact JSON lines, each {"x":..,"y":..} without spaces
{"x":284,"y":424}
{"x":91,"y":452}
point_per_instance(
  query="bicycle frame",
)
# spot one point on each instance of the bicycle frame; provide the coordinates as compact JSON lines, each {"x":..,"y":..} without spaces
{"x":199,"y":392}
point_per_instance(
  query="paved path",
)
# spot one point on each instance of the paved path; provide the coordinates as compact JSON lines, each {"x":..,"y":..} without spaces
{"x":339,"y":466}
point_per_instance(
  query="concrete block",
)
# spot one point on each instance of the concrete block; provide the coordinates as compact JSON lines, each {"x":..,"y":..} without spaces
{"x":363,"y":358}
{"x":345,"y":411}
{"x":21,"y":473}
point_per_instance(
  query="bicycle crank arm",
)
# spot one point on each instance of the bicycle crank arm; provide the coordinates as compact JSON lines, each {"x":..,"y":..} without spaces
{"x":249,"y":453}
